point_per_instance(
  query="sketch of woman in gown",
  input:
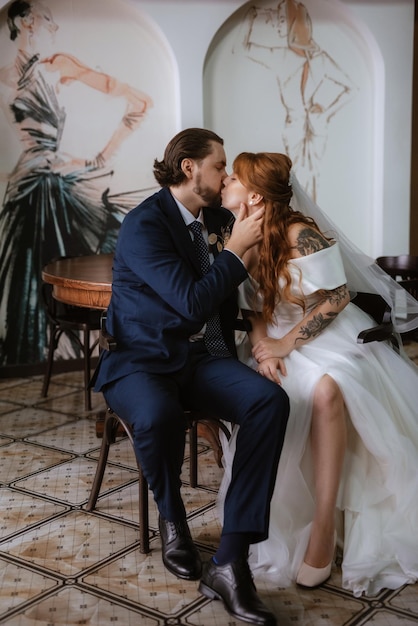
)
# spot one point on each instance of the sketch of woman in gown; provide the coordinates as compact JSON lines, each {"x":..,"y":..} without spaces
{"x":53,"y":204}
{"x":312,"y":87}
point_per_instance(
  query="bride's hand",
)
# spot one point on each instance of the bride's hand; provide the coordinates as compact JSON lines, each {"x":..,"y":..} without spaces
{"x":267,"y":348}
{"x":269,"y":367}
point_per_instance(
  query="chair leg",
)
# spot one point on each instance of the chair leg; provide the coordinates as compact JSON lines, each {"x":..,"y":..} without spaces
{"x":86,"y":351}
{"x":210,"y":427}
{"x":209,"y":430}
{"x":53,"y":341}
{"x":109,"y":432}
{"x":193,"y":453}
{"x":143,"y":513}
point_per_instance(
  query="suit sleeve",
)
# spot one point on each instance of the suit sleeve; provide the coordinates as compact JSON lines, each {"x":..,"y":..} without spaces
{"x":157,"y":261}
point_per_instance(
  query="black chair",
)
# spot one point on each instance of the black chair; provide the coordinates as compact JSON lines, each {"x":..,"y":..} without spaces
{"x":114,"y":425}
{"x":380,"y":311}
{"x":411,"y":285}
{"x":401,"y":267}
{"x":78,"y":323}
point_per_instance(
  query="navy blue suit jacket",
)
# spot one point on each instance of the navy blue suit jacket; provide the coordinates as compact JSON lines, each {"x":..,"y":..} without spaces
{"x":159,"y":296}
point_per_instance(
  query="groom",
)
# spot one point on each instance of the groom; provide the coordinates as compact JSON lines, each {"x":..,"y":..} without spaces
{"x":172,"y":313}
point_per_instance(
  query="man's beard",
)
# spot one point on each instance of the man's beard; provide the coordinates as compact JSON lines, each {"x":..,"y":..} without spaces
{"x":209,"y":196}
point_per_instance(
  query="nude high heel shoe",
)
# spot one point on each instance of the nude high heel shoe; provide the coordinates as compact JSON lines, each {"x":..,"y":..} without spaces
{"x":312,"y":577}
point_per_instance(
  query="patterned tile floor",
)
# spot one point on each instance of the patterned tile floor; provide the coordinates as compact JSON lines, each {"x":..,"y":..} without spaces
{"x":60,"y":565}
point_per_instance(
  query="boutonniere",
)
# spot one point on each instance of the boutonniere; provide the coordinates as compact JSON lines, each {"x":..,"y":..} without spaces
{"x":221,"y":240}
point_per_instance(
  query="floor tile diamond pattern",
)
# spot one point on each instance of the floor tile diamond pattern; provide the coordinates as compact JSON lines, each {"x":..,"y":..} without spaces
{"x":61,"y":565}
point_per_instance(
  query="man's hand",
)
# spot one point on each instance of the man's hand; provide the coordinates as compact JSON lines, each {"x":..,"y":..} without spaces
{"x":247,"y":230}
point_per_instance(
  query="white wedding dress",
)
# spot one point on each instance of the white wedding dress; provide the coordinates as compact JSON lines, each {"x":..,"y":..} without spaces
{"x":377,"y":516}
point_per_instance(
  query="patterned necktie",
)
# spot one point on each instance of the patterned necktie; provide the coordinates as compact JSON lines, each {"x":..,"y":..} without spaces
{"x":213,"y":338}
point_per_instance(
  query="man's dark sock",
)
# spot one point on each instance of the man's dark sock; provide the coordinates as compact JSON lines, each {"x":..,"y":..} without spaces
{"x":232,"y":546}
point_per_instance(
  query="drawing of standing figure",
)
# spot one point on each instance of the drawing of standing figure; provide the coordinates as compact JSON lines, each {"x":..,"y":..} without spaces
{"x":312,"y":87}
{"x":53,"y":204}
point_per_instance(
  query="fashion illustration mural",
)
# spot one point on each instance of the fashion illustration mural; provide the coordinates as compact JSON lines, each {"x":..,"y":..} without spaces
{"x":65,"y":123}
{"x":312,"y":88}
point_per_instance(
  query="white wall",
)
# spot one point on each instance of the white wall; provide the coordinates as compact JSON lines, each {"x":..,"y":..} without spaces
{"x":189,"y":26}
{"x":392,"y":24}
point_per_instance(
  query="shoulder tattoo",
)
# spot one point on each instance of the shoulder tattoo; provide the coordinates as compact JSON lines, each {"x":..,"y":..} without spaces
{"x":309,"y":241}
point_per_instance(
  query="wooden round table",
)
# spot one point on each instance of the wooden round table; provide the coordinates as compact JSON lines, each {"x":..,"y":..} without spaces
{"x":82,"y":281}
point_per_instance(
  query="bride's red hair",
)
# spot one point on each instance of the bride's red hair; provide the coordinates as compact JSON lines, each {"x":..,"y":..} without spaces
{"x":268,"y":173}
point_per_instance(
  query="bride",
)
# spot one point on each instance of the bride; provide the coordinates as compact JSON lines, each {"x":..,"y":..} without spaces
{"x":349,"y":467}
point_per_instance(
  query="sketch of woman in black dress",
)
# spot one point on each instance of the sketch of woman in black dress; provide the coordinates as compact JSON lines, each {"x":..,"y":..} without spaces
{"x":312,"y":87}
{"x":53,"y":204}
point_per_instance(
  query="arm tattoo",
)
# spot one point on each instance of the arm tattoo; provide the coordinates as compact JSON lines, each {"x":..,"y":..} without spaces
{"x":336,"y":296}
{"x":316,"y":325}
{"x":310,"y":241}
{"x":319,"y":322}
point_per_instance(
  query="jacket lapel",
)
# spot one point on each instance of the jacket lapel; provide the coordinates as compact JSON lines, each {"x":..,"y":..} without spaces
{"x":180,"y":233}
{"x":214,"y":221}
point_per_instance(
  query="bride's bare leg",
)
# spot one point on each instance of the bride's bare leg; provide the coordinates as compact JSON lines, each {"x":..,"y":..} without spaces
{"x":328,"y":440}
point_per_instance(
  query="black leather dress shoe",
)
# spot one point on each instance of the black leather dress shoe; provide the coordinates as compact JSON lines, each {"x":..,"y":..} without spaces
{"x":180,"y":555}
{"x":233,"y":584}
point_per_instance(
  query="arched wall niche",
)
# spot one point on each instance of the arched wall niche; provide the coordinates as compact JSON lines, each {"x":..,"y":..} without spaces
{"x":89,"y":93}
{"x":263,"y":91}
